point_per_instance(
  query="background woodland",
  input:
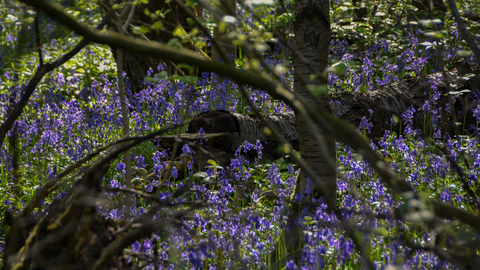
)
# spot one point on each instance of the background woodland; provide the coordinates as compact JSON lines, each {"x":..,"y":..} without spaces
{"x":239,"y":135}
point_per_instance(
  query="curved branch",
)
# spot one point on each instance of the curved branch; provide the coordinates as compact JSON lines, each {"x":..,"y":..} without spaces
{"x":463,"y":29}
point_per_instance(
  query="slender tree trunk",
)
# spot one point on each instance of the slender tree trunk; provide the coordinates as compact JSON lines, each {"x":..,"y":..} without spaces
{"x":312,"y":37}
{"x":135,"y":65}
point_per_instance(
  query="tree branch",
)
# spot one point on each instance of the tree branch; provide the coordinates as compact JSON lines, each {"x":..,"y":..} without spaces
{"x":463,"y":29}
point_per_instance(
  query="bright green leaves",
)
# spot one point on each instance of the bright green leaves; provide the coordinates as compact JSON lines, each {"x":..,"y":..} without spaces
{"x":430,"y":23}
{"x":157,"y":25}
{"x":433,"y":28}
{"x":183,"y":38}
{"x":141,"y":29}
{"x":179,"y":32}
{"x":436,"y":34}
{"x":339,"y":68}
{"x":174,"y":42}
{"x":189,"y":79}
{"x":157,"y":77}
{"x":163,"y":75}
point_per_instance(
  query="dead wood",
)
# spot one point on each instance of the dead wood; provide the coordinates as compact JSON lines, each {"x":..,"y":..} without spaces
{"x":396,"y":98}
{"x":227,"y":131}
{"x":68,"y":234}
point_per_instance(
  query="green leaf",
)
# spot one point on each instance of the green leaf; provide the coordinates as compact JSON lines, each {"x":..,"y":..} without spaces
{"x":191,"y":21}
{"x":183,"y":65}
{"x":381,"y":231}
{"x":150,"y":79}
{"x":260,"y":2}
{"x":318,"y":90}
{"x":157,"y":25}
{"x":189,"y":79}
{"x":179,"y":32}
{"x":144,"y":29}
{"x":222,"y":26}
{"x":161,"y":74}
{"x":435,"y":34}
{"x":174,"y":42}
{"x":212,"y":162}
{"x":464,"y":52}
{"x":339,"y":68}
{"x":190,"y":3}
{"x":426,"y":43}
{"x":310,"y":222}
{"x":174,"y":77}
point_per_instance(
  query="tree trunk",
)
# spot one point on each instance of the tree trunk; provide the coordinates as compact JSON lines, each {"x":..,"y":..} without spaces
{"x":135,"y":65}
{"x":312,"y":38}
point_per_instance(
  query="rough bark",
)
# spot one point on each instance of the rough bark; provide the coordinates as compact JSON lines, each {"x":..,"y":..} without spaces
{"x":312,"y":38}
{"x":246,"y":128}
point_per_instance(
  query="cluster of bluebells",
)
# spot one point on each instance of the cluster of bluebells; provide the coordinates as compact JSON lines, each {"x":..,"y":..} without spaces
{"x":69,"y":118}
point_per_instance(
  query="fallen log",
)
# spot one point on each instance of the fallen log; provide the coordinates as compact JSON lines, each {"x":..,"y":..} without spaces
{"x":378,"y":106}
{"x":227,"y":131}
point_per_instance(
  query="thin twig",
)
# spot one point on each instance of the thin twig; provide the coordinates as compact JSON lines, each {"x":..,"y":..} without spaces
{"x":130,"y":9}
